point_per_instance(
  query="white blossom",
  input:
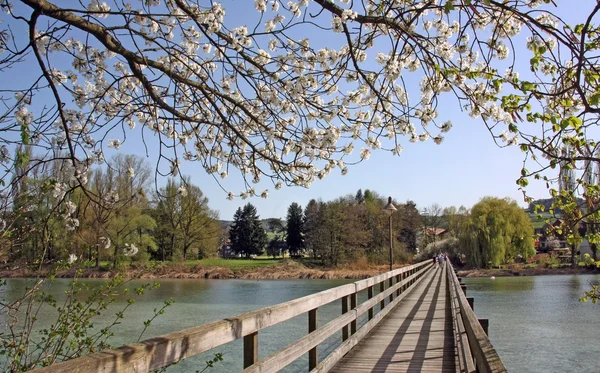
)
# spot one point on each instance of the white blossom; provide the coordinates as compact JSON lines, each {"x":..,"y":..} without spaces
{"x":130,"y":249}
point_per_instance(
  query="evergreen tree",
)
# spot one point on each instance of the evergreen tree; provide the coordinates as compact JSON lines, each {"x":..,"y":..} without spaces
{"x":247,"y":235}
{"x":295,"y":229}
{"x":359,"y":197}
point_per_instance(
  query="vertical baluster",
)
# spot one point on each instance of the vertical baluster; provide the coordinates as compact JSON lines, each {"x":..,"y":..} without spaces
{"x":381,"y":290}
{"x":353,"y":301}
{"x":250,"y":349}
{"x":370,"y":295}
{"x":344,"y":310}
{"x":313,"y":354}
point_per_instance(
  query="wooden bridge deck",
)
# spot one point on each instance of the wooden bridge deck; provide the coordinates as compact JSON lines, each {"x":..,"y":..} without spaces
{"x":416,"y":336}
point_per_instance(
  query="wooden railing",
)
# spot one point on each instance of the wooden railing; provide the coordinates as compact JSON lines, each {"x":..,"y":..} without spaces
{"x":165,"y":350}
{"x":475,"y":352}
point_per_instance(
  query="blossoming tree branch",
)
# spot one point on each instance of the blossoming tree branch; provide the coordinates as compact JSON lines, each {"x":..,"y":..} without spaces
{"x":293,"y":90}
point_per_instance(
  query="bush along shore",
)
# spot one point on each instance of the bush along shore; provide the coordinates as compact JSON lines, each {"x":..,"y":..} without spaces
{"x":226,"y":269}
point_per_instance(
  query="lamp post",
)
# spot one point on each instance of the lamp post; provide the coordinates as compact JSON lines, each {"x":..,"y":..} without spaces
{"x":389,"y":209}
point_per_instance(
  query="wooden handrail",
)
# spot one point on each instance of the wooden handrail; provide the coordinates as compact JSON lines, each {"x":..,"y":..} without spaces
{"x":485,"y":357}
{"x":165,"y":350}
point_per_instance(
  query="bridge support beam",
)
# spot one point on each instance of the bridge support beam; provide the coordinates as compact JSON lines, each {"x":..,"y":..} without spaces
{"x":471,"y":300}
{"x":485,"y":324}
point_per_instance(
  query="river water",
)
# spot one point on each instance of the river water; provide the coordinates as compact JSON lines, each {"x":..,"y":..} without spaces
{"x":536,"y":323}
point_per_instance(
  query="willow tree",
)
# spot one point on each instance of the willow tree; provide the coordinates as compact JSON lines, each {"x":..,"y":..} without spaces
{"x":495,"y":232}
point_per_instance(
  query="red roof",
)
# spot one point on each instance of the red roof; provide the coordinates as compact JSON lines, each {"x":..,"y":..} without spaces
{"x":435,"y":231}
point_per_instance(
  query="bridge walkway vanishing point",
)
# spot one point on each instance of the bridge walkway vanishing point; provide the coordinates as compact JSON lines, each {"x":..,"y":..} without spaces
{"x":417,"y":336}
{"x":418,"y":319}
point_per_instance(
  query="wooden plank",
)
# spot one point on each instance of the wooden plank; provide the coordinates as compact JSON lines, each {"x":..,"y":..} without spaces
{"x":416,"y":336}
{"x":336,"y":355}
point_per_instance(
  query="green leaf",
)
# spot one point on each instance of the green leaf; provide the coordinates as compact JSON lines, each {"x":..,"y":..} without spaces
{"x":594,"y":99}
{"x":448,"y":7}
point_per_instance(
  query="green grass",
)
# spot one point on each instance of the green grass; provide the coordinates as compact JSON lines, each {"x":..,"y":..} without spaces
{"x":236,"y":263}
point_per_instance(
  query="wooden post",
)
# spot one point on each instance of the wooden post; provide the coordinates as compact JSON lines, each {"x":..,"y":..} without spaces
{"x":369,"y":296}
{"x":250,"y":349}
{"x":471,"y":300}
{"x":313,"y":354}
{"x":344,"y":310}
{"x":402,"y":276}
{"x":391,"y":283}
{"x":381,"y":290}
{"x":399,"y":289}
{"x":353,"y":301}
{"x":464,"y":288}
{"x":485,"y":324}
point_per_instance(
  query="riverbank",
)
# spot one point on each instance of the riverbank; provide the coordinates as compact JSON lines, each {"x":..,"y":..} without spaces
{"x":284,"y":269}
{"x":526,"y":271}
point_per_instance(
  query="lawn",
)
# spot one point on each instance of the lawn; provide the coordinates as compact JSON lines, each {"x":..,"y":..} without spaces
{"x":236,"y":263}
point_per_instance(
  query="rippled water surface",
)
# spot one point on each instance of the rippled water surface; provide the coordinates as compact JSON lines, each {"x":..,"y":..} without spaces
{"x":537,"y":324}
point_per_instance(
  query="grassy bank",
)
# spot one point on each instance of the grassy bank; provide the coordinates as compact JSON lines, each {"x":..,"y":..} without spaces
{"x":217,"y":268}
{"x":526,"y":270}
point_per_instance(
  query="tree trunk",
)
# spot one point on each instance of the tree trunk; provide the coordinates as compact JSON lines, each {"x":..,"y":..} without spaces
{"x":172,"y":246}
{"x":573,"y":264}
{"x":594,"y":251}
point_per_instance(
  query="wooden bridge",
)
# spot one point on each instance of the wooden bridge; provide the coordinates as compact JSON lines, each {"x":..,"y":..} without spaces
{"x":416,"y":319}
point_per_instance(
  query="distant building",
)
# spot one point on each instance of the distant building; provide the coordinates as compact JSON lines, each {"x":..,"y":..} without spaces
{"x":435,"y":234}
{"x":226,"y":251}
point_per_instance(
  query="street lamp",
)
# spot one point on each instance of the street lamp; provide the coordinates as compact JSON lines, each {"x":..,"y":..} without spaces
{"x":389,"y":209}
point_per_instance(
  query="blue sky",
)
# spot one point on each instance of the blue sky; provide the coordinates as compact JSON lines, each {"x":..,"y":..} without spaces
{"x":464,"y":168}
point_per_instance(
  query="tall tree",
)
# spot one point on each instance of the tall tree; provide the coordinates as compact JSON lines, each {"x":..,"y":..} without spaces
{"x":246,"y":233}
{"x":410,"y":225}
{"x":295,"y":229}
{"x":189,"y":222}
